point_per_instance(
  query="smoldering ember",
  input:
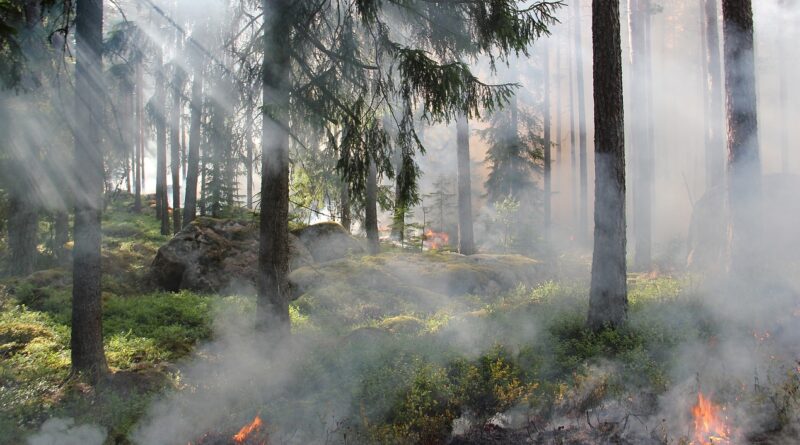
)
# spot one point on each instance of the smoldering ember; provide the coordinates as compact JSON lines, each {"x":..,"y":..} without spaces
{"x":337,"y":222}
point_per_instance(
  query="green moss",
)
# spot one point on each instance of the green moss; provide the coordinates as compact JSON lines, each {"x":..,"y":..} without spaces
{"x":404,"y":324}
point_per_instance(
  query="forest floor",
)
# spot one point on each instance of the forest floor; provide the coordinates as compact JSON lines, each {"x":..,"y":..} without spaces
{"x":512,"y":367}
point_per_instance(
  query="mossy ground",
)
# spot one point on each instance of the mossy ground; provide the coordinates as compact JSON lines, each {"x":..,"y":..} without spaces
{"x":408,"y":369}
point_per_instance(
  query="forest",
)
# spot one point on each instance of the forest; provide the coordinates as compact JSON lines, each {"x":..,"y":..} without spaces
{"x":333,"y":222}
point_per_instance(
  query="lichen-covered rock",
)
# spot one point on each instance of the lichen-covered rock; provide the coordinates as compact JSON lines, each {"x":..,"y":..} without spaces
{"x":328,"y":241}
{"x":215,"y":255}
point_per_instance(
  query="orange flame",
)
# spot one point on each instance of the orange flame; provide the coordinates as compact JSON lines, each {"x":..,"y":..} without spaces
{"x":709,"y":426}
{"x":436,"y":240}
{"x":248,"y":429}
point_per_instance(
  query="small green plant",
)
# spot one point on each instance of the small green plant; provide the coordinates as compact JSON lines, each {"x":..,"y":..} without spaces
{"x":506,"y":212}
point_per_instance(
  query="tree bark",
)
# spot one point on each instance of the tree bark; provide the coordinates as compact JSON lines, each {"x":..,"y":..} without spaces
{"x":23,"y":222}
{"x":548,"y":194}
{"x":190,"y":201}
{"x":559,"y":114}
{"x":162,"y":202}
{"x":466,"y":237}
{"x":139,"y":149}
{"x":23,"y":217}
{"x":217,"y":182}
{"x":608,"y":304}
{"x":87,"y":307}
{"x":715,"y":144}
{"x":399,"y":217}
{"x":175,"y":148}
{"x":250,"y":149}
{"x":744,"y":164}
{"x":371,"y":210}
{"x":272,"y":309}
{"x":641,"y":144}
{"x":61,"y":229}
{"x":344,"y":198}
{"x":583,"y":208}
{"x":573,"y":142}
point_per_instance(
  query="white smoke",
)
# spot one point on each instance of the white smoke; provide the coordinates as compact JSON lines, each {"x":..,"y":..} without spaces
{"x":58,"y":431}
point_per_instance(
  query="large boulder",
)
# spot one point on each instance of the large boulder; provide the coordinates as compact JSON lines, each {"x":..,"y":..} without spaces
{"x":216,"y":255}
{"x":779,"y":214}
{"x":328,"y":241}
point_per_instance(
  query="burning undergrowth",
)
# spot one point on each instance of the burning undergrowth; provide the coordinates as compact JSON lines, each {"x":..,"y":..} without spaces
{"x":499,"y":370}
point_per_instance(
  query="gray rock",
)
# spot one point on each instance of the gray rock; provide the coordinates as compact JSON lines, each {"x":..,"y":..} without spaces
{"x":328,"y":241}
{"x":215,"y":255}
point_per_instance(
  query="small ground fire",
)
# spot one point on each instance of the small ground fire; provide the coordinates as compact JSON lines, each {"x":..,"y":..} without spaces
{"x":710,"y":426}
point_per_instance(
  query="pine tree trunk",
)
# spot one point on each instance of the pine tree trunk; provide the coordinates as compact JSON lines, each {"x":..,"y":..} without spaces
{"x":162,"y":202}
{"x":744,"y":165}
{"x":215,"y":183}
{"x":715,"y":144}
{"x":87,"y":307}
{"x":641,"y":145}
{"x":399,"y":217}
{"x":204,"y":153}
{"x":272,"y":310}
{"x":548,"y":187}
{"x":61,"y":228}
{"x":583,"y":207}
{"x":250,"y":150}
{"x":23,"y":222}
{"x":608,"y":304}
{"x":175,"y":148}
{"x":573,"y":142}
{"x":23,"y":215}
{"x":344,"y":198}
{"x":559,"y":114}
{"x":190,"y":201}
{"x":466,"y":237}
{"x":371,"y":210}
{"x":138,"y":150}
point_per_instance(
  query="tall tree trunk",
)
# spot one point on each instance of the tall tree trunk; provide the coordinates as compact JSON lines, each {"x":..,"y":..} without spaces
{"x":399,"y":216}
{"x":139,"y":149}
{"x":715,"y":145}
{"x":250,"y":149}
{"x":23,"y":217}
{"x":548,"y":195}
{"x":162,"y":202}
{"x":205,"y":142}
{"x":642,"y":147}
{"x":608,"y":304}
{"x":175,"y":148}
{"x":466,"y":237}
{"x":190,"y":201}
{"x":573,"y":142}
{"x":371,"y":210}
{"x":744,"y":165}
{"x":61,"y":229}
{"x":87,"y":305}
{"x":559,"y":118}
{"x":344,"y":198}
{"x":272,"y":309}
{"x":583,"y":208}
{"x":127,"y":124}
{"x":22,"y":230}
